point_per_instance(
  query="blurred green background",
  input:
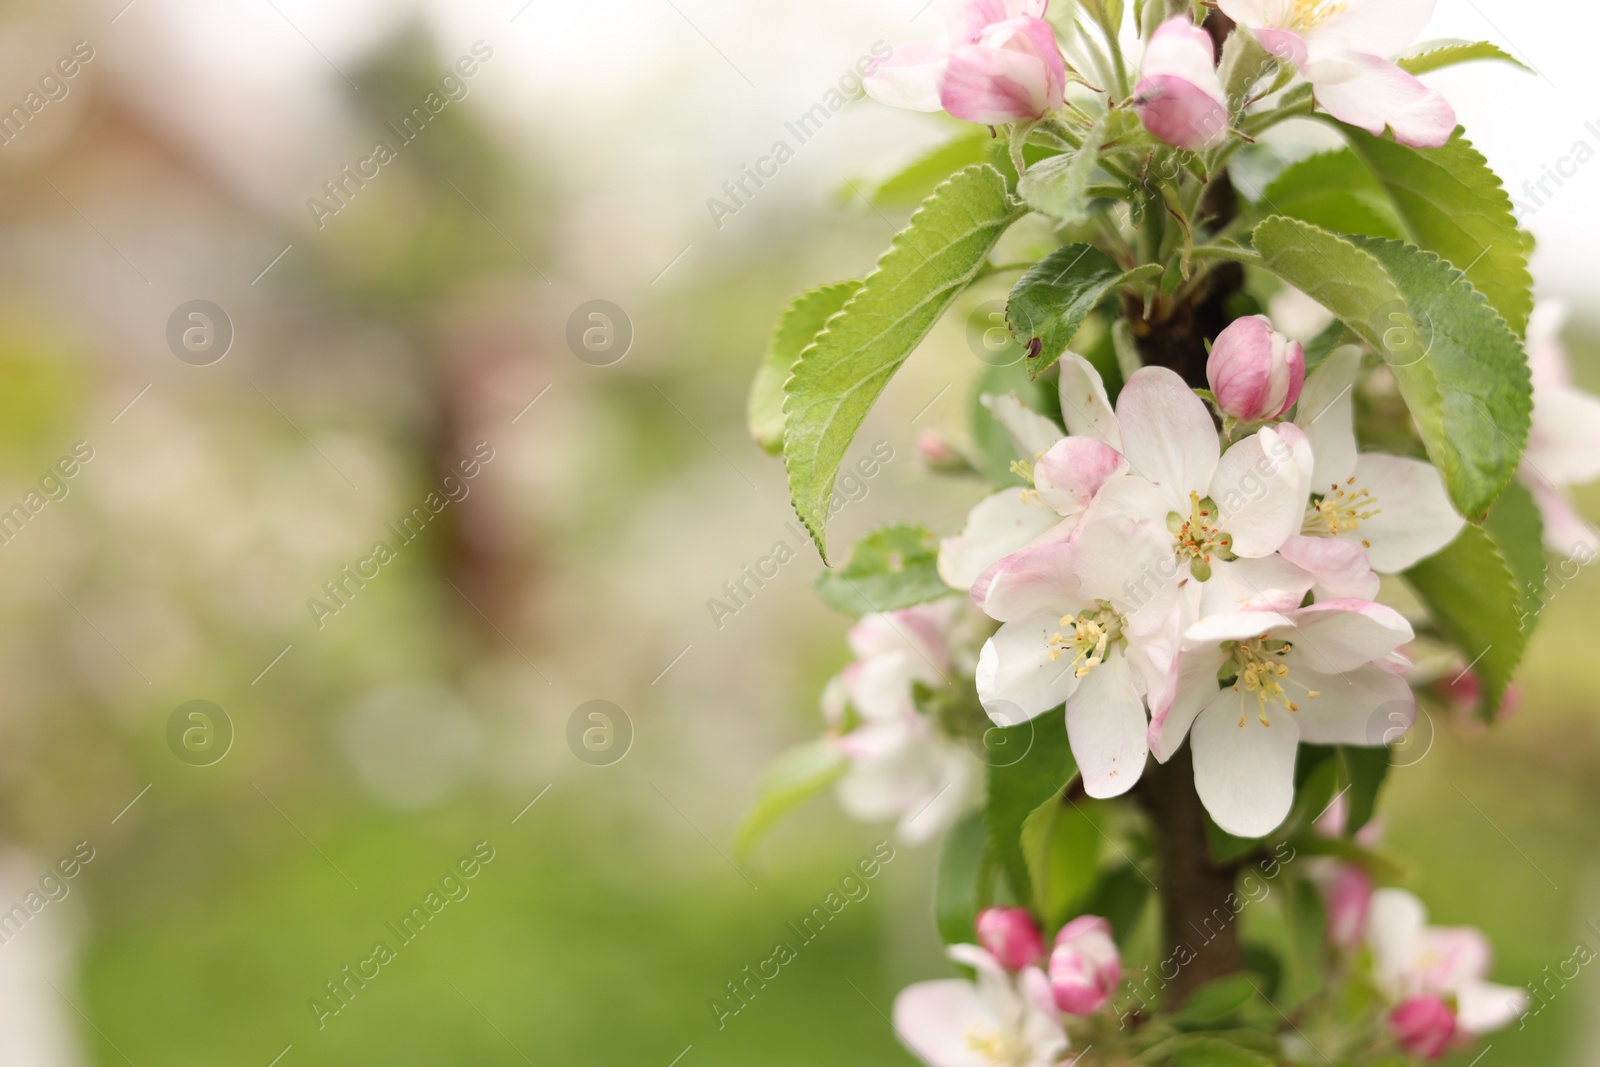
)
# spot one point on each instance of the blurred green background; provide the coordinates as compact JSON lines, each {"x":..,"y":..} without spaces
{"x":372,"y":752}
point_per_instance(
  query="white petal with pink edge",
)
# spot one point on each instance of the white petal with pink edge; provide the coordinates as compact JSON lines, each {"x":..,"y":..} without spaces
{"x":1373,"y":93}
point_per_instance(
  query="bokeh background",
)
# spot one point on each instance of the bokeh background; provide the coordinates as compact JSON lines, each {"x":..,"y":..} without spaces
{"x":426,"y":322}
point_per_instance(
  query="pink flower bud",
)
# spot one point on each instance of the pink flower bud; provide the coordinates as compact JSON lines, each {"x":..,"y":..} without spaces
{"x":1424,"y":1025}
{"x":1255,"y":372}
{"x":1179,"y":97}
{"x":1085,"y":966}
{"x":1011,"y":936}
{"x":937,"y":454}
{"x":1009,"y":71}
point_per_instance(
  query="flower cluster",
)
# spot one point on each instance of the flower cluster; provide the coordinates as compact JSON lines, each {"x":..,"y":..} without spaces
{"x":1158,"y":557}
{"x":1013,"y":1012}
{"x":997,"y":62}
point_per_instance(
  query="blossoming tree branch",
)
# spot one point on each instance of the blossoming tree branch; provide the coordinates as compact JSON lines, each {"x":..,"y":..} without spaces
{"x":1281,"y":459}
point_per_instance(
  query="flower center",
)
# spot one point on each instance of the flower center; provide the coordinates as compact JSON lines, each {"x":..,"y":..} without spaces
{"x":1023,"y":468}
{"x":1087,"y":636}
{"x":1198,"y":537}
{"x":1001,"y":1049}
{"x":1263,"y":669}
{"x":1341,"y":510}
{"x":1309,"y":14}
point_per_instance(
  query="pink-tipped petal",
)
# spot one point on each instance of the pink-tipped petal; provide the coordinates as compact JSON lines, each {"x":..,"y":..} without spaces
{"x":1373,"y":93}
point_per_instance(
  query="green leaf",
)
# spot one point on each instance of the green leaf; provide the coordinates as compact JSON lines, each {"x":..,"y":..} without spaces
{"x":1451,"y":203}
{"x":1518,"y":531}
{"x":1334,"y":190}
{"x":1052,"y":299}
{"x":960,"y":891}
{"x":917,"y":181}
{"x":1477,"y":374}
{"x":1216,"y":1001}
{"x":1029,"y":764}
{"x":796,"y":776}
{"x":1062,"y":849}
{"x":1362,"y":772}
{"x":1469,"y":590}
{"x":891,"y":568}
{"x":1446,"y":52}
{"x":1059,"y":186}
{"x":844,"y":371}
{"x":1204,"y":1050}
{"x":797,"y":327}
{"x":1463,"y":375}
{"x":1244,"y":63}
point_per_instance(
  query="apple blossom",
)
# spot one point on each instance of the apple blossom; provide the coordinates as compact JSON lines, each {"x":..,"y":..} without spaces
{"x":996,"y":62}
{"x":1179,"y":97}
{"x":1011,"y":936}
{"x":900,"y":763}
{"x":1314,"y":674}
{"x":1072,"y":633}
{"x":1066,"y":473}
{"x":1341,"y":47}
{"x":1085,"y":966}
{"x":1564,"y":441}
{"x":1254,"y":371}
{"x":999,"y":1020}
{"x":1424,"y":969}
{"x":1390,"y":511}
{"x":1228,"y":513}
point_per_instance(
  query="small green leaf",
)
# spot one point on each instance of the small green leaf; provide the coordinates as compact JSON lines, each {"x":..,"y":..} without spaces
{"x":797,"y":327}
{"x":1216,"y":1001}
{"x":963,"y":866}
{"x":844,"y":371}
{"x":795,"y":777}
{"x":1469,"y":590}
{"x":1432,"y":55}
{"x":917,"y":181}
{"x":1362,"y":772}
{"x":1244,"y":64}
{"x":1052,"y":299}
{"x":1059,"y":186}
{"x":1463,"y":375}
{"x":1029,"y":764}
{"x":1062,"y":849}
{"x":891,"y":568}
{"x":1334,"y":190}
{"x":1518,"y":531}
{"x":1204,"y":1050}
{"x":1451,"y":203}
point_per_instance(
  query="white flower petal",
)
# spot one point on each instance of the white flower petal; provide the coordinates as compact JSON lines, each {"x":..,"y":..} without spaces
{"x":1016,"y":678}
{"x":1382,"y":27}
{"x":1196,"y":687}
{"x":1341,"y":635}
{"x":1073,"y":470}
{"x":1085,"y":407}
{"x":1168,"y":436}
{"x":1482,"y":1007}
{"x":1368,"y":706}
{"x":1042,"y":580}
{"x":1415,"y":518}
{"x":935,"y":1018}
{"x":1326,"y":412}
{"x":1371,"y":92}
{"x":1106,"y":726}
{"x":1244,"y":769}
{"x":909,"y":78}
{"x":1341,"y":568}
{"x":1272,"y":583}
{"x":1564,"y":444}
{"x":1395,"y":920}
{"x":1130,"y":565}
{"x":1261,"y":488}
{"x":1000,"y":525}
{"x":1031,"y":433}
